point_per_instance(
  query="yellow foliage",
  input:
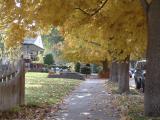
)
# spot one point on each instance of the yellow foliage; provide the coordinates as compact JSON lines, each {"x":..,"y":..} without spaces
{"x":125,"y":28}
{"x":116,"y":31}
{"x":14,"y":35}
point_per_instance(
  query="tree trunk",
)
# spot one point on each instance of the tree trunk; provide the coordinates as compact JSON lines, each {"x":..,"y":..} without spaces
{"x":152,"y":82}
{"x":114,"y":72}
{"x":123,"y":77}
{"x":105,"y":66}
{"x":105,"y":72}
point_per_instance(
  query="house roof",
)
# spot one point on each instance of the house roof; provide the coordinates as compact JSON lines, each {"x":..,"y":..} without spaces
{"x":37,"y":41}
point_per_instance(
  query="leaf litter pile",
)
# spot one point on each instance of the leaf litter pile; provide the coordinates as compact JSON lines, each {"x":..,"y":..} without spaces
{"x":130,"y":105}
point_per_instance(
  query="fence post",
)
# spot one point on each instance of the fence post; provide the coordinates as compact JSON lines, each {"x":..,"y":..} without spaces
{"x":22,"y":83}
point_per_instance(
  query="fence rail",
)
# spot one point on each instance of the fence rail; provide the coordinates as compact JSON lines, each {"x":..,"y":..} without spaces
{"x":12,"y":88}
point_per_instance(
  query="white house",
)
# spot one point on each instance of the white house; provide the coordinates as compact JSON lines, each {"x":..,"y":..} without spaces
{"x":32,"y":47}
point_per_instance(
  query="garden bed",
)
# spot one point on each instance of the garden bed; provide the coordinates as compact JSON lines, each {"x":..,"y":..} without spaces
{"x":68,"y":75}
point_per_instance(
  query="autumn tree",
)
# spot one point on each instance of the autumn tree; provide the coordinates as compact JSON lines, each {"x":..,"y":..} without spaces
{"x":152,"y":82}
{"x":20,"y":18}
{"x":126,"y":34}
{"x":84,"y":43}
{"x":84,"y":38}
{"x":119,"y":28}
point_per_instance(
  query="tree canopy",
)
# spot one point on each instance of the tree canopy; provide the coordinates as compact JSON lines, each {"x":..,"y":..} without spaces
{"x":117,"y":31}
{"x":102,"y":31}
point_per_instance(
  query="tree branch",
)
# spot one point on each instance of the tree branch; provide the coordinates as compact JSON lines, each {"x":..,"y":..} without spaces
{"x":145,"y":5}
{"x":94,"y":43}
{"x":98,"y":9}
{"x":94,"y":12}
{"x":85,"y":12}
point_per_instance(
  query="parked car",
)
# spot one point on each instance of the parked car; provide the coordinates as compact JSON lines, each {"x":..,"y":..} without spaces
{"x":140,"y":74}
{"x":131,"y":73}
{"x":59,"y":69}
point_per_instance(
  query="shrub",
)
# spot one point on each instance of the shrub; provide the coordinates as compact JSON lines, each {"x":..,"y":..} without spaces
{"x":48,"y":59}
{"x":86,"y":70}
{"x":77,"y":67}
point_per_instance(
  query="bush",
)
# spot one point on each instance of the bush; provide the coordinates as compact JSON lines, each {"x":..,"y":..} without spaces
{"x":86,"y":70}
{"x":48,"y":59}
{"x":77,"y":67}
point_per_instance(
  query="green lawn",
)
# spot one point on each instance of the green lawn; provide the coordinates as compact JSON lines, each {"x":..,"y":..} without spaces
{"x":41,"y":90}
{"x":42,"y":96}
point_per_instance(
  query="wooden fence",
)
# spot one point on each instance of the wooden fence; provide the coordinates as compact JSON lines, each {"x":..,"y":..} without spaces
{"x":12,"y":88}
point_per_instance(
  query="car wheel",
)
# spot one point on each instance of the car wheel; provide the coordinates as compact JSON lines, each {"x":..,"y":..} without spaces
{"x":130,"y":76}
{"x":143,"y":84}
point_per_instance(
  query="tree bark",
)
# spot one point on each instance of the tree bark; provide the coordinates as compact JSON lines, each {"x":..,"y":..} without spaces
{"x":114,"y":72}
{"x":152,"y":82}
{"x":123,"y":77}
{"x":105,"y":66}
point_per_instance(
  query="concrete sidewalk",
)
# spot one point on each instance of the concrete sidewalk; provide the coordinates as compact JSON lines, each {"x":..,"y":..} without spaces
{"x":89,"y":101}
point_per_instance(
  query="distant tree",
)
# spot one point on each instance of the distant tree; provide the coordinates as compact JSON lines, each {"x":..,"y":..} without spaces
{"x":48,"y":59}
{"x":52,"y":43}
{"x":54,"y":37}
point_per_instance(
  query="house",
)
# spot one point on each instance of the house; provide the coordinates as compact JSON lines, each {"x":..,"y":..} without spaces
{"x":32,"y":47}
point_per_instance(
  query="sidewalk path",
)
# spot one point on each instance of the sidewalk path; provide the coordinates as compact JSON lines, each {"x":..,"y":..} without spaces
{"x":89,"y":102}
